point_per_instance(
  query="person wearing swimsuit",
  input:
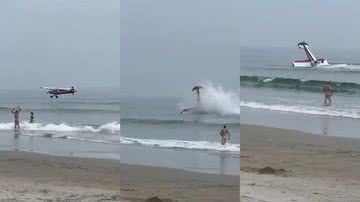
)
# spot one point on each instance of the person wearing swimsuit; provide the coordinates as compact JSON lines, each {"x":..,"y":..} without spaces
{"x":225,"y":134}
{"x":16,"y":113}
{"x":327,"y":90}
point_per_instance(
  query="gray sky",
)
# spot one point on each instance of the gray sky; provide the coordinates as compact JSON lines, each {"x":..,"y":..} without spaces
{"x":329,"y":24}
{"x":169,"y":46}
{"x":59,"y":43}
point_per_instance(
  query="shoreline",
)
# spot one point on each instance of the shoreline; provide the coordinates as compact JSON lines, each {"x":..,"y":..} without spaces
{"x":309,"y":123}
{"x":289,"y":165}
{"x":28,"y":176}
{"x":200,"y":161}
{"x":187,"y":159}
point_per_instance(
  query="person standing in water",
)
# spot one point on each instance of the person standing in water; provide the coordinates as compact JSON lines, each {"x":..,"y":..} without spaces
{"x":16,"y":113}
{"x":32,"y":118}
{"x":327,"y":90}
{"x":225,"y":134}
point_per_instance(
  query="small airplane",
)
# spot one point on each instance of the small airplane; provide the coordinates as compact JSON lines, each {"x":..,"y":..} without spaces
{"x":55,"y":92}
{"x":197,"y":89}
{"x":311,"y":60}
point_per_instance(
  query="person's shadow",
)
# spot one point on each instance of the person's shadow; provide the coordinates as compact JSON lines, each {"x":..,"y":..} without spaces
{"x":222,"y":163}
{"x":324,"y":122}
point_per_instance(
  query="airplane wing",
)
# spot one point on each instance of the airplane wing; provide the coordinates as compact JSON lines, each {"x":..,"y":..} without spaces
{"x":48,"y":88}
{"x":54,"y":88}
{"x":63,"y":88}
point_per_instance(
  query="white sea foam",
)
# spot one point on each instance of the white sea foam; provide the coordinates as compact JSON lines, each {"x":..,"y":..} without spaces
{"x":113,"y":127}
{"x":313,"y":110}
{"x":268,"y":80}
{"x":88,"y":140}
{"x":182,"y":144}
{"x":341,"y":66}
{"x":334,"y":66}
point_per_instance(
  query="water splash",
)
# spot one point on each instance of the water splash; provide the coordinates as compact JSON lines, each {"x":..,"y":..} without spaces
{"x":214,"y":99}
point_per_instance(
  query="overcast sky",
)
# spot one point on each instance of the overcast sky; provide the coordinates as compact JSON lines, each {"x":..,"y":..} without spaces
{"x":169,"y":46}
{"x":329,"y":24}
{"x":59,"y":43}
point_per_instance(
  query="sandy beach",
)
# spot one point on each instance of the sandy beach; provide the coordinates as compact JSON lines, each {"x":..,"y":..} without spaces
{"x":139,"y":183}
{"x":28,"y":176}
{"x":34,"y":177}
{"x":288,"y":165}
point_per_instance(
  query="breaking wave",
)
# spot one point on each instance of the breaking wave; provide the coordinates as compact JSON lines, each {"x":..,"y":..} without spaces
{"x":175,"y":122}
{"x":51,"y":135}
{"x":112,"y":128}
{"x":297,"y":84}
{"x":182,"y":144}
{"x":312,"y":110}
{"x":340,"y":67}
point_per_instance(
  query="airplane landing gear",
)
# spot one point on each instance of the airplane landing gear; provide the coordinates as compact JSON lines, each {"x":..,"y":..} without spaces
{"x":51,"y":96}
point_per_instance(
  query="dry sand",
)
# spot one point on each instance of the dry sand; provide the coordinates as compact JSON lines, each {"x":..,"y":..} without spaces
{"x":35,"y":177}
{"x":287,"y":165}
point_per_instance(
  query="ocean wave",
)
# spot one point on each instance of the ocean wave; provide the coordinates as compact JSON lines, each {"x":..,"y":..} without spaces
{"x":61,"y":136}
{"x":182,"y":144}
{"x":340,"y":67}
{"x":344,"y":67}
{"x":297,"y":84}
{"x":92,"y":102}
{"x":112,"y":128}
{"x":312,"y":110}
{"x":179,"y":121}
{"x":87,"y":140}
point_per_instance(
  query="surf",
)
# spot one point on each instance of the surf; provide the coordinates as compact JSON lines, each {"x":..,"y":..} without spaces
{"x":298,"y":84}
{"x":111,"y":128}
{"x":180,"y":121}
{"x":311,"y":110}
{"x":181,"y":144}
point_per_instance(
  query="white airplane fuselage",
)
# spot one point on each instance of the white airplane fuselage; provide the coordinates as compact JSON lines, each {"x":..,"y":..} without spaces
{"x":306,"y":63}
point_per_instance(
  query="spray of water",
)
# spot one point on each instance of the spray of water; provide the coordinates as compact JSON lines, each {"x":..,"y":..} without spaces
{"x":214,"y":99}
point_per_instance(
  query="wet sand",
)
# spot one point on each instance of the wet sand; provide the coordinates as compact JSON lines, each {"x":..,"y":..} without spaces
{"x":288,"y":165}
{"x":28,"y":176}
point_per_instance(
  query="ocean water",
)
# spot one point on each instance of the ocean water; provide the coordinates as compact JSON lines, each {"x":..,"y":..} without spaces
{"x":156,"y":126}
{"x":84,"y":124}
{"x":273,"y":93}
